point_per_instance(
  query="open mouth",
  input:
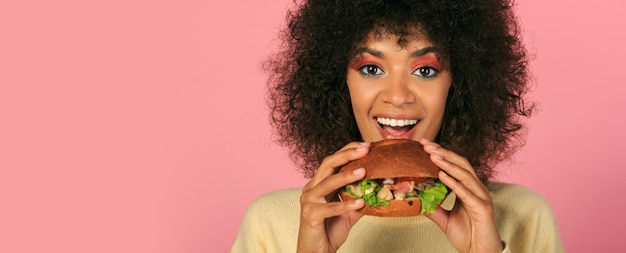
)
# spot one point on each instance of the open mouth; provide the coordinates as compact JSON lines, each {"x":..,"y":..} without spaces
{"x":396,"y":128}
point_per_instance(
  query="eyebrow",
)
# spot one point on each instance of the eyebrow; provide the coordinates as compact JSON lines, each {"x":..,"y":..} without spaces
{"x":416,"y":53}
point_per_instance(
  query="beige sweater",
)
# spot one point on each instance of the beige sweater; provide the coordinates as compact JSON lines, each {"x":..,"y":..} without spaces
{"x":525,"y":222}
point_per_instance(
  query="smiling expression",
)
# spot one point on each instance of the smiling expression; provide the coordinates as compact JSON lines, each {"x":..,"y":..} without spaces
{"x":398,"y":91}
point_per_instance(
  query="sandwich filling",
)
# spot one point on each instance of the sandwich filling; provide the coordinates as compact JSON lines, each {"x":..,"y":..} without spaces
{"x":379,"y":192}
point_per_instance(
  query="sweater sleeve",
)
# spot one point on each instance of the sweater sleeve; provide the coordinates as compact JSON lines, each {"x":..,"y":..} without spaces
{"x":548,"y":238}
{"x":270,"y":224}
{"x":250,"y":237}
{"x":525,"y":220}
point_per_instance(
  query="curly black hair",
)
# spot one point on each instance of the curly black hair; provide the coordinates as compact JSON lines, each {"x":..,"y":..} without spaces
{"x":310,"y":106}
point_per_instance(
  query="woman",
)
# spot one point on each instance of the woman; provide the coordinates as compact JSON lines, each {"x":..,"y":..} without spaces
{"x":450,"y":74}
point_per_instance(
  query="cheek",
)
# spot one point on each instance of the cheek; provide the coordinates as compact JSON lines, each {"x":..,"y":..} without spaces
{"x":360,"y":101}
{"x":434,"y":98}
{"x":361,"y":96}
{"x":438,"y":100}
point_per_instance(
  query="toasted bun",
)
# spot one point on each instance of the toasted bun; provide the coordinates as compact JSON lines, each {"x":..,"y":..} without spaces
{"x":394,"y":158}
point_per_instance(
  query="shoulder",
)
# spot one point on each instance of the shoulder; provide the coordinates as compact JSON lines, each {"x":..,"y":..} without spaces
{"x":279,"y":197}
{"x":516,"y":196}
{"x":271,"y":223}
{"x":284,"y":201}
{"x":503,"y":190}
{"x":525,"y":219}
{"x":513,"y":201}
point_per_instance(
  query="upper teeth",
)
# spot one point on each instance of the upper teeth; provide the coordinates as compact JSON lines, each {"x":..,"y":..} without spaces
{"x":396,"y":122}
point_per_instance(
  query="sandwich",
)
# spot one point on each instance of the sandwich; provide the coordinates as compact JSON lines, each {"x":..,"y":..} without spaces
{"x":400,"y":180}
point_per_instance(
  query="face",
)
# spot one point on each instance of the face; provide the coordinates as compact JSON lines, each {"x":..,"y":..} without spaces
{"x":398,"y":91}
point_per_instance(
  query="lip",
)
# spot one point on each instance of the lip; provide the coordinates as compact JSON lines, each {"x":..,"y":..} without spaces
{"x":408,"y":135}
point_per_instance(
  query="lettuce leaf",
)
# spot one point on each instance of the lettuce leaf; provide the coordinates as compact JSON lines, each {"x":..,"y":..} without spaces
{"x":430,"y":197}
{"x":369,"y":198}
{"x":433,"y":196}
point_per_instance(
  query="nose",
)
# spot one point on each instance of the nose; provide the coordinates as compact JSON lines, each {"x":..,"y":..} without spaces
{"x":397,"y":91}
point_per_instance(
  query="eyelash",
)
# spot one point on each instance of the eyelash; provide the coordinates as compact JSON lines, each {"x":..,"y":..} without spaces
{"x":434,"y":72}
{"x":378,"y":71}
{"x":364,"y":70}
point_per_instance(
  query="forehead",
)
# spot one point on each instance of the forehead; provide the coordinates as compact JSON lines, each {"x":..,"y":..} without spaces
{"x":403,"y":37}
{"x":381,"y":41}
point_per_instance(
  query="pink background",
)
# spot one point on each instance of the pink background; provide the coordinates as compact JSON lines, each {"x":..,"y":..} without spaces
{"x":140,"y":126}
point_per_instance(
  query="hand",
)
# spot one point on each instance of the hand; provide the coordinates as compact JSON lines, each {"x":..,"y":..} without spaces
{"x":324,"y":221}
{"x":470,"y":226}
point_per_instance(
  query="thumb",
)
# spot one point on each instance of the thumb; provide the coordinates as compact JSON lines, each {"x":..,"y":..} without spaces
{"x":440,"y":217}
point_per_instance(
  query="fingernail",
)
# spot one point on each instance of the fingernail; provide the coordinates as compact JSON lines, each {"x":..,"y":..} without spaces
{"x":364,"y":145}
{"x":443,"y":174}
{"x":438,"y":156}
{"x":358,"y":171}
{"x":358,"y":202}
{"x":361,"y":149}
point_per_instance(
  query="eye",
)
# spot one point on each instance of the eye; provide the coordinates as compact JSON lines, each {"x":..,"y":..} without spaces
{"x":371,"y":70}
{"x":426,"y":72}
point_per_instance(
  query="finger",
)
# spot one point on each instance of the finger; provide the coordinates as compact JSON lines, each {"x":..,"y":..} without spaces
{"x":471,"y":199}
{"x":440,"y":217}
{"x":351,"y":151}
{"x":461,"y":174}
{"x":434,"y":148}
{"x":315,"y":213}
{"x":331,"y":184}
{"x":461,"y":171}
{"x":458,"y":179}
